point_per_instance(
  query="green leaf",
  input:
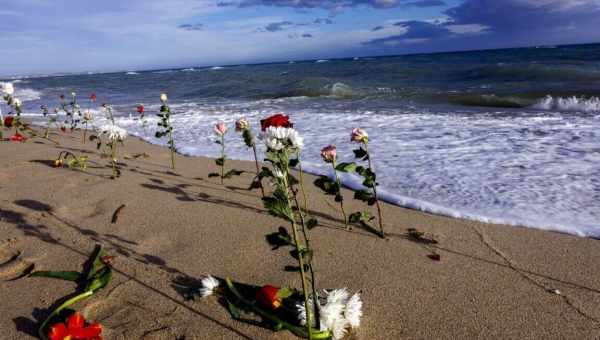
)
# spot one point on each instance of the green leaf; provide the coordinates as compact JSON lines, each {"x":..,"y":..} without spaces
{"x":95,"y":263}
{"x":346,"y":167}
{"x":361,"y":153}
{"x":265,"y":172}
{"x":101,"y":280}
{"x":248,"y":138}
{"x":293,"y":163}
{"x":285,"y":292}
{"x":277,"y":205}
{"x":327,"y":185}
{"x":235,"y":312}
{"x":307,"y":255}
{"x":360,"y":216}
{"x":63,"y":275}
{"x":362,"y":195}
{"x":256,"y":184}
{"x":218,"y":142}
{"x":232,"y":173}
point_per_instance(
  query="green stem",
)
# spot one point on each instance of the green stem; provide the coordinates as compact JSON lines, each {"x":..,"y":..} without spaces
{"x":262,"y":189}
{"x":64,"y":305}
{"x":222,"y":157}
{"x":85,"y":132}
{"x":339,"y":183}
{"x":171,"y":142}
{"x":375,"y":193}
{"x":299,"y":249}
{"x":301,"y":177}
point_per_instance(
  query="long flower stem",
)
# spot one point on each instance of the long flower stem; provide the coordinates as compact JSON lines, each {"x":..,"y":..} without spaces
{"x":222,"y":157}
{"x":113,"y":156}
{"x":85,"y":132}
{"x":301,"y":177}
{"x":262,"y":189}
{"x":375,"y":194}
{"x":299,"y":249}
{"x":339,"y":183}
{"x":171,"y":143}
{"x":64,"y":305}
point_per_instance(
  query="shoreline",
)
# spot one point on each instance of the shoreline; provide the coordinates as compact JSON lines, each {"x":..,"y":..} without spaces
{"x":493,"y":281}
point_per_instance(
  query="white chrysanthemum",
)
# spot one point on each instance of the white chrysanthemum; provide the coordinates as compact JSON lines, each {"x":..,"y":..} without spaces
{"x":337,"y":295}
{"x":353,"y":311}
{"x":209,"y":284}
{"x":73,"y":94}
{"x":274,"y":144}
{"x":114,"y":132}
{"x":8,"y":88}
{"x":17,"y":102}
{"x":277,"y":173}
{"x":163,"y":97}
{"x":332,"y":318}
{"x":302,"y":312}
{"x":295,"y":139}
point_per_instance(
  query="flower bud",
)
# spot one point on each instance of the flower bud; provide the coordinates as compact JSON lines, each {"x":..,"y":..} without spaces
{"x":220,"y":128}
{"x":242,"y":124}
{"x":329,"y":153}
{"x":267,"y":297}
{"x":359,"y":135}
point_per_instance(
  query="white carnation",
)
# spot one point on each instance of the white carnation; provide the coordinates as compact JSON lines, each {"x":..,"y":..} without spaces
{"x":114,"y":132}
{"x":353,"y":311}
{"x":17,"y":102}
{"x":209,"y":284}
{"x":8,"y":88}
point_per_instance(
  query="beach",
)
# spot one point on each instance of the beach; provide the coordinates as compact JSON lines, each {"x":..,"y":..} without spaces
{"x":491,"y":281}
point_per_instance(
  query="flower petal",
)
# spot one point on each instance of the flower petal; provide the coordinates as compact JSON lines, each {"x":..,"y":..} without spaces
{"x":75,"y":321}
{"x":58,"y":331}
{"x":88,"y":333}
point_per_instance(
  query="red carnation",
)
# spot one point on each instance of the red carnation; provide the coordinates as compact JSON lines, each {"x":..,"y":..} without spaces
{"x":62,"y":97}
{"x":268,"y":297}
{"x":75,"y":329}
{"x":93,"y":97}
{"x":278,"y":120}
{"x":8,"y":121}
{"x":17,"y":137}
{"x":140,"y":109}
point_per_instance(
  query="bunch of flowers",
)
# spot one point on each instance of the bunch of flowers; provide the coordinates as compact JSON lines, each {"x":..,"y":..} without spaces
{"x":164,"y":126}
{"x":220,"y":130}
{"x":97,"y":276}
{"x":329,"y":186}
{"x":15,"y":121}
{"x":369,"y":196}
{"x":115,"y":135}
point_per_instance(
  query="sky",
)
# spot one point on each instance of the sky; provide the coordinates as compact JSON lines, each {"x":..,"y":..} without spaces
{"x":53,"y":36}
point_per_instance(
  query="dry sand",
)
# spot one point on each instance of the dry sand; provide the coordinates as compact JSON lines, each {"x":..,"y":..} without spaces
{"x":493,"y":281}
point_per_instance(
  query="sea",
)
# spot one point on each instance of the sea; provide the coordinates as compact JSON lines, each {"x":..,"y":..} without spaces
{"x":506,"y":136}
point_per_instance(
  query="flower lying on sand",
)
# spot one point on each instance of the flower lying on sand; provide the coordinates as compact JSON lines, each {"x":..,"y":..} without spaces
{"x":338,"y":313}
{"x":209,"y":284}
{"x":268,"y":297}
{"x":75,"y":329}
{"x":278,"y":120}
{"x":113,"y":132}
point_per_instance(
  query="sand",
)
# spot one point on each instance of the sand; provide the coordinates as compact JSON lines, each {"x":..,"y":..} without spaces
{"x":492,"y":282}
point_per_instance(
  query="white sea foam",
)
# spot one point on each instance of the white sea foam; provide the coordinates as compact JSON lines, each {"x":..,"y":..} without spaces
{"x":217,"y":68}
{"x":537,"y":169}
{"x":131,"y":73}
{"x":577,"y":104}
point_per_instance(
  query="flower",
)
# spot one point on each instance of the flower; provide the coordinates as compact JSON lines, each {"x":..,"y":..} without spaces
{"x":58,"y":163}
{"x":268,"y":297}
{"x":353,"y":311}
{"x":8,"y":121}
{"x":220,"y":128}
{"x":295,"y":139}
{"x":140,"y":108}
{"x":359,"y":135}
{"x":278,"y":120}
{"x":329,"y":153}
{"x":93,"y":97}
{"x":62,"y":97}
{"x":209,"y":284}
{"x":87,"y":115}
{"x":277,"y":173}
{"x":114,"y":132}
{"x":331,"y":313}
{"x":163,"y":97}
{"x":75,"y":329}
{"x":17,"y":102}
{"x":276,"y":138}
{"x":17,"y":137}
{"x":241,"y":124}
{"x":8,"y":88}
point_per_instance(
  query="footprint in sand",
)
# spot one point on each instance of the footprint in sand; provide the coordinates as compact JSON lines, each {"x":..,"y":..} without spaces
{"x":13,"y":266}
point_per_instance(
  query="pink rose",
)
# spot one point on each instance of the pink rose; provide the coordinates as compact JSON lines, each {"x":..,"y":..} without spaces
{"x":220,"y":128}
{"x":329,"y":153}
{"x":359,"y":135}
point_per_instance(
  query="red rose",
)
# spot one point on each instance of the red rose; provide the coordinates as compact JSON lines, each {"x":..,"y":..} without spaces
{"x":17,"y":137}
{"x":267,"y":297}
{"x":140,"y":108}
{"x":63,"y":129}
{"x":93,"y":97}
{"x":62,"y":97}
{"x":277,"y":120}
{"x":8,"y":121}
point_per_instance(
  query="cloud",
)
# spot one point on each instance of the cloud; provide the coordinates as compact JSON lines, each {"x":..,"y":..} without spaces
{"x":330,"y":4}
{"x":277,"y":26}
{"x":191,"y":27}
{"x":307,"y":35}
{"x":326,"y":21}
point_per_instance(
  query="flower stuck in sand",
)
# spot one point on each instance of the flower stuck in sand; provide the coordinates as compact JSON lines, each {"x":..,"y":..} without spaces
{"x":277,"y":138}
{"x":113,"y":132}
{"x":242,"y":124}
{"x":8,"y":121}
{"x":163,"y":97}
{"x":359,"y":135}
{"x":329,"y":153}
{"x":277,"y":120}
{"x":165,"y":128}
{"x":220,"y":129}
{"x":209,"y":284}
{"x":140,"y":108}
{"x":75,"y":329}
{"x":93,"y":97}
